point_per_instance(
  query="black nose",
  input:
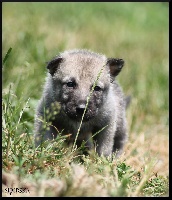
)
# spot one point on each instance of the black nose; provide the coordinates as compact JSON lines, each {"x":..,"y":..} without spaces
{"x":80,"y":109}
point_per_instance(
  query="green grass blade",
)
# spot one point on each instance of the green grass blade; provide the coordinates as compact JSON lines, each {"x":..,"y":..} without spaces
{"x":88,"y":98}
{"x":7,"y":55}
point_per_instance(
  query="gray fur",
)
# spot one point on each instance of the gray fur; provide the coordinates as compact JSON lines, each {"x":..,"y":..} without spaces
{"x":69,"y":82}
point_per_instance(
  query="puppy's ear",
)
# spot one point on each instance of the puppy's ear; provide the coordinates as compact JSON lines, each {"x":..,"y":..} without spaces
{"x":53,"y":65}
{"x":115,"y":65}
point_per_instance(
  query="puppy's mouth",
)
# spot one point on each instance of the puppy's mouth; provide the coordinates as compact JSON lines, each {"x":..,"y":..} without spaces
{"x":77,"y":117}
{"x":77,"y":114}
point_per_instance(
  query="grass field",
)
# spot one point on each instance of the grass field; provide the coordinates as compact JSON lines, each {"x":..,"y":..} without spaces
{"x":36,"y":32}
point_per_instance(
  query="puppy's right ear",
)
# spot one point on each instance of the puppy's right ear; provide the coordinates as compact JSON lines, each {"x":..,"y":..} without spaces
{"x":54,"y":64}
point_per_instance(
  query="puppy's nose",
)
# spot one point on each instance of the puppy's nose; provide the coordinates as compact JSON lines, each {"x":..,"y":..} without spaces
{"x":80,"y":109}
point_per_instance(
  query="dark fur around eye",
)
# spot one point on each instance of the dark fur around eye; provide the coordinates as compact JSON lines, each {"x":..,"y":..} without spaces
{"x":97,"y":88}
{"x":71,"y":84}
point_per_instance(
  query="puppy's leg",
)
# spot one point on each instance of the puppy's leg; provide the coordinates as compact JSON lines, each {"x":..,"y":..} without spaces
{"x":104,"y":141}
{"x":43,"y":132}
{"x":119,"y":141}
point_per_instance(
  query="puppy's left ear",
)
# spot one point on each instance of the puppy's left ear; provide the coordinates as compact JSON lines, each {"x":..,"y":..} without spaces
{"x":115,"y":65}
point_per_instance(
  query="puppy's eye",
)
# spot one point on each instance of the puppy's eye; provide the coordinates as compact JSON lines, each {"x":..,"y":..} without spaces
{"x":71,"y":84}
{"x":97,"y":88}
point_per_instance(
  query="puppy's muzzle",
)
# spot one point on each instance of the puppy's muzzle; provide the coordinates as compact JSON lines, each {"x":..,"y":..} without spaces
{"x":80,"y":109}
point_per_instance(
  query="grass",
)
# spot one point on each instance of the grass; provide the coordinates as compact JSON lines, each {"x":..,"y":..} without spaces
{"x":32,"y":34}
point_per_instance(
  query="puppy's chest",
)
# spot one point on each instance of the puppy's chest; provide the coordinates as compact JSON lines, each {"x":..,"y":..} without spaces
{"x":67,"y":126}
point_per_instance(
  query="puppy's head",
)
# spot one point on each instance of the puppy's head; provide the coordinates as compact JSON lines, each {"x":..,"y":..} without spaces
{"x":74,"y":73}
